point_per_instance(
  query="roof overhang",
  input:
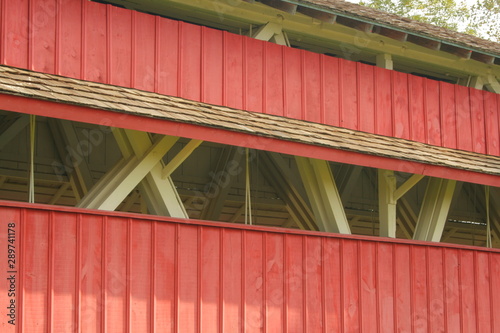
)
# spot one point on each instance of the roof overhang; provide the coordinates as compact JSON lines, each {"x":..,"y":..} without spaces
{"x":59,"y":97}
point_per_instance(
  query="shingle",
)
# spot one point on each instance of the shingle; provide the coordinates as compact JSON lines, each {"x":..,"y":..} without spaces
{"x":131,"y":101}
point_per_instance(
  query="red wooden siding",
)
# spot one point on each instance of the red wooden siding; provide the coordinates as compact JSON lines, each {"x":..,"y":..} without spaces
{"x":100,"y":272}
{"x":96,"y":42}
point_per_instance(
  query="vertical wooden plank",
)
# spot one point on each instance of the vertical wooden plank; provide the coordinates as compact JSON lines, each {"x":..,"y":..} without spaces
{"x":350,"y":283}
{"x":11,"y":289}
{"x":349,"y":94}
{"x":43,"y":24}
{"x":452,"y":290}
{"x":478,"y":121}
{"x":385,"y":285}
{"x":332,"y":272}
{"x":115,"y":259}
{"x":400,"y":104}
{"x":368,"y":290}
{"x":463,"y":116}
{"x":254,"y":67}
{"x":467,"y":287}
{"x":313,"y":278}
{"x":432,"y":112}
{"x":212,"y":66}
{"x":210,"y":273}
{"x":366,"y":98}
{"x":96,"y":42}
{"x":292,"y":83}
{"x":16,"y":34}
{"x":91,"y":306}
{"x":64,"y":271}
{"x":419,"y":267}
{"x":120,"y":52}
{"x":233,"y":70}
{"x":140,"y":276}
{"x":492,"y":119}
{"x":494,"y":261}
{"x":144,"y":56}
{"x":167,"y":60}
{"x":436,"y":284}
{"x":311,"y":86}
{"x":232,"y":287}
{"x":274,"y":280}
{"x":417,"y":117}
{"x":165,"y":277}
{"x":402,"y":288}
{"x":70,"y":38}
{"x":483,"y":292}
{"x":254,"y":282}
{"x":187,"y":279}
{"x":383,"y":102}
{"x":295,"y":279}
{"x":273,"y":76}
{"x":330,"y":88}
{"x":35,"y":273}
{"x":448,"y":114}
{"x":190,"y":61}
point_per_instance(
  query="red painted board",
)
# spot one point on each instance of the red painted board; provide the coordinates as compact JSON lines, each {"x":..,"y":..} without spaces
{"x":273,"y":79}
{"x":448,"y":114}
{"x":16,"y":33}
{"x":464,"y":118}
{"x":120,"y":49}
{"x":232,"y":309}
{"x":368,"y":287}
{"x":296,"y":278}
{"x":69,"y":56}
{"x":432,"y":112}
{"x":210,"y":288}
{"x":167,"y":61}
{"x":233,"y":70}
{"x":44,"y":16}
{"x":416,"y":112}
{"x":253,"y":281}
{"x":332,"y":277}
{"x":293,"y":84}
{"x":189,"y":76}
{"x":349,"y":117}
{"x":313,"y":284}
{"x":273,"y":282}
{"x":96,"y":42}
{"x":331,"y":97}
{"x":350,"y":285}
{"x":144,"y":52}
{"x":187,"y":280}
{"x":366,"y":89}
{"x":492,"y":122}
{"x":107,"y":271}
{"x":212,"y":64}
{"x":140,"y":275}
{"x":478,"y":121}
{"x":383,"y":102}
{"x":311,"y":87}
{"x":254,"y":74}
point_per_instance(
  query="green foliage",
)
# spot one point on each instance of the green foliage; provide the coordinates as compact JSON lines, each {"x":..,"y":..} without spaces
{"x":481,"y":19}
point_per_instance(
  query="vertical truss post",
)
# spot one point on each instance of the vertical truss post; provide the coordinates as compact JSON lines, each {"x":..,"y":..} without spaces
{"x":323,"y":195}
{"x":387,"y":203}
{"x":435,"y":209}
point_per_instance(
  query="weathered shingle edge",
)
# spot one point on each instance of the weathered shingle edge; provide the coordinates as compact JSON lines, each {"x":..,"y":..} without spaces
{"x":59,"y":89}
{"x":378,"y":17}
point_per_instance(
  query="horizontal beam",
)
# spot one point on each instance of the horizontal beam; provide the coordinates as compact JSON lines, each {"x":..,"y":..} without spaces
{"x":217,"y":135}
